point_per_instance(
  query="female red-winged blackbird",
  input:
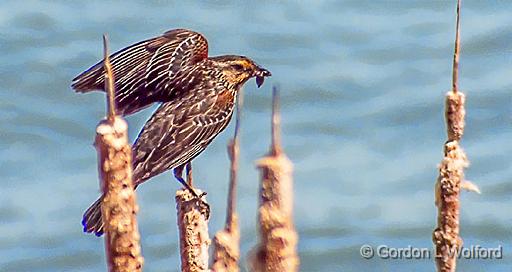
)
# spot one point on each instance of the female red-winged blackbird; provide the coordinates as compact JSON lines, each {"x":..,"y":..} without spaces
{"x":197,"y":93}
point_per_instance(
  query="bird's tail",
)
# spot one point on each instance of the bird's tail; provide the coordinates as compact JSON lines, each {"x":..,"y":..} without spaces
{"x":92,"y":219}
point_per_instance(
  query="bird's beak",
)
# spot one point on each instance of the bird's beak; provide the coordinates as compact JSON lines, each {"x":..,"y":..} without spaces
{"x":260,"y":76}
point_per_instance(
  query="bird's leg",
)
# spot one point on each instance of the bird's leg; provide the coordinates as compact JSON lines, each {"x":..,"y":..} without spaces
{"x":189,"y":174}
{"x":190,"y":179}
{"x":178,"y":174}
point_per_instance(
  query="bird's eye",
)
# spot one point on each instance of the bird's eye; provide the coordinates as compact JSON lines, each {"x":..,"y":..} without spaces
{"x":238,"y":67}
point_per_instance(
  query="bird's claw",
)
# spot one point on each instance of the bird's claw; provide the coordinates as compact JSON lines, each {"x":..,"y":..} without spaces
{"x":204,"y":207}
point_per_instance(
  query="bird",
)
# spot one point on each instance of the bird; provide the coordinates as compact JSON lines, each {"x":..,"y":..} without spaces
{"x":197,"y":96}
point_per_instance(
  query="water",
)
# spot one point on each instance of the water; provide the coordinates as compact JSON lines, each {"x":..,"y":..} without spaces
{"x":362,"y":92}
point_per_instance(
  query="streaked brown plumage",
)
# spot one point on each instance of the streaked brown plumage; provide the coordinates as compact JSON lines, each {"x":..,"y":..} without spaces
{"x":197,"y":93}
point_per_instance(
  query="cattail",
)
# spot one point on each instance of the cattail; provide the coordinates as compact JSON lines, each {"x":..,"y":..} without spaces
{"x":226,"y":253}
{"x":446,"y":237}
{"x":193,"y":231}
{"x":119,"y":205}
{"x":277,"y":249}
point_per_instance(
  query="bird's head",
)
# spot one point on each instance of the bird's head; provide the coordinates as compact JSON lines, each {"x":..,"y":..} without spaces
{"x":238,"y":69}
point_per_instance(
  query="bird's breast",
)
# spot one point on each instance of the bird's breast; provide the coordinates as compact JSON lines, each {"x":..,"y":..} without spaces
{"x":225,"y":99}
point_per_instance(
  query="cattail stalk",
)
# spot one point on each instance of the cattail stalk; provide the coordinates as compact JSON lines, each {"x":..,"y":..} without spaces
{"x":193,"y":231}
{"x":226,"y":253}
{"x":451,"y":172}
{"x":277,"y":249}
{"x":119,"y":205}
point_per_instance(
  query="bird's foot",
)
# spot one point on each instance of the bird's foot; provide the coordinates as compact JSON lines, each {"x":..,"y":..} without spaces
{"x":203,"y":206}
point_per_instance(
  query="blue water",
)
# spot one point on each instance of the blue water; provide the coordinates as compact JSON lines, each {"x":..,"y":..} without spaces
{"x":362,"y":91}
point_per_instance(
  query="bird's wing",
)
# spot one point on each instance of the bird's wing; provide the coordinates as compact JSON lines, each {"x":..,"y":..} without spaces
{"x":174,"y":136}
{"x":147,"y":72}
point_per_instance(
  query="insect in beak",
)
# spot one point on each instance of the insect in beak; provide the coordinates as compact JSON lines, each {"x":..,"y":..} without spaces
{"x":260,"y":76}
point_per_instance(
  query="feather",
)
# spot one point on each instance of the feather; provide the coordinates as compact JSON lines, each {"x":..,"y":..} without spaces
{"x":149,"y":71}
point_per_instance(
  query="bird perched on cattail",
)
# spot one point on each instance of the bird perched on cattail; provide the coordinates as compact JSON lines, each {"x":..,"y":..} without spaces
{"x":197,"y":92}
